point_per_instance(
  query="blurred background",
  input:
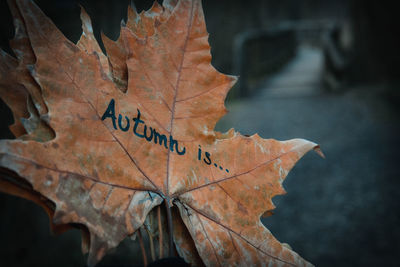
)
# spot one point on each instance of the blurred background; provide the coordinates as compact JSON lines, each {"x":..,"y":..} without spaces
{"x":323,"y":70}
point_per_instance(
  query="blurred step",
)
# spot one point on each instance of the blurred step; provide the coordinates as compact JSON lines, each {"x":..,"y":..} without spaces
{"x":300,"y":77}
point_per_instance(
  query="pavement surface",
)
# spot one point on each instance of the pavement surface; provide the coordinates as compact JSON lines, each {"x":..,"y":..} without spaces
{"x":338,"y":211}
{"x":343,"y":210}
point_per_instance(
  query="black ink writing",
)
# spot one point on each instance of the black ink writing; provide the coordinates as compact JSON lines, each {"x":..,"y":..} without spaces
{"x":207,"y":159}
{"x":142,"y":131}
{"x":110,"y":113}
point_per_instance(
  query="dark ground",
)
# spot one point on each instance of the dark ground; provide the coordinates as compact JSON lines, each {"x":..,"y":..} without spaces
{"x":342,"y":210}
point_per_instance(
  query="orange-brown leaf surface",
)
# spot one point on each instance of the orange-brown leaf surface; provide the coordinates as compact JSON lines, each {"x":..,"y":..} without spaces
{"x":106,"y":139}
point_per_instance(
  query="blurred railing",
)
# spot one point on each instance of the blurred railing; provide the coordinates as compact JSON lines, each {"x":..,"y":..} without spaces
{"x":337,"y":62}
{"x":309,"y":32}
{"x":258,"y":53}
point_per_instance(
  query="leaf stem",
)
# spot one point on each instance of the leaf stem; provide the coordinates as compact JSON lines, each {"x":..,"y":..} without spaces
{"x":152,"y":253}
{"x":170,"y":229}
{"x":160,"y":232}
{"x":142,"y":248}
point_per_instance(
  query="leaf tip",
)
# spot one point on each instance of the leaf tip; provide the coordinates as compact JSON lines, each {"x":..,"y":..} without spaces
{"x":233,"y":78}
{"x":86,"y":21}
{"x":318,"y":150}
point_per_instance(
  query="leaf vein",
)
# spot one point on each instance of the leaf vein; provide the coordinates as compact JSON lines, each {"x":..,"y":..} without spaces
{"x":78,"y":175}
{"x":233,"y":176}
{"x":205,"y":232}
{"x":231,"y":230}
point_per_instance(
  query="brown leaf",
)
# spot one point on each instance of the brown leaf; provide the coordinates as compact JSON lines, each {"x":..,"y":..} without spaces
{"x":17,"y":100}
{"x":109,"y":138}
{"x":13,"y":185}
{"x":184,"y":243}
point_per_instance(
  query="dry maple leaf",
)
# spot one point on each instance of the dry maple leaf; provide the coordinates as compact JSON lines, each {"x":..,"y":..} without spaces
{"x":103,"y":140}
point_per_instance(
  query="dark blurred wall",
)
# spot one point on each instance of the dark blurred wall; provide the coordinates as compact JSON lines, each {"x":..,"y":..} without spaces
{"x":224,"y":18}
{"x":376,"y":40}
